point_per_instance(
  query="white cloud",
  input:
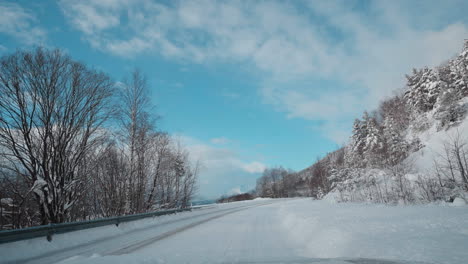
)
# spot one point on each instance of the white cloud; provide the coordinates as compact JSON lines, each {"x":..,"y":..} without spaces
{"x":92,"y":17}
{"x":235,"y":190}
{"x":222,"y":168}
{"x":21,"y":24}
{"x":220,"y":157}
{"x":254,"y":167}
{"x":335,"y":130}
{"x":367,"y":53}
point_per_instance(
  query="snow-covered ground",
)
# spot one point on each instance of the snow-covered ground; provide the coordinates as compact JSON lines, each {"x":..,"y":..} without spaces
{"x":266,"y":231}
{"x":433,"y":142}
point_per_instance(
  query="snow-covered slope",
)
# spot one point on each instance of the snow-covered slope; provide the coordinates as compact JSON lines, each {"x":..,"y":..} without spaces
{"x":412,"y":149}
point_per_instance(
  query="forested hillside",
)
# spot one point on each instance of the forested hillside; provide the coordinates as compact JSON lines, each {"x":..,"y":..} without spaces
{"x":413,"y":148}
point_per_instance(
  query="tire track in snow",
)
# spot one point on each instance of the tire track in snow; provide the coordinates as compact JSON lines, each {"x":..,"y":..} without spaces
{"x":144,"y":243}
{"x":90,"y":248}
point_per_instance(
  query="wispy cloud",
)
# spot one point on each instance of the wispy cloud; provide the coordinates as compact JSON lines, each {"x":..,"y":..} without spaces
{"x":21,"y":24}
{"x":222,"y":168}
{"x":292,"y":45}
{"x":219,"y":156}
{"x":254,"y":167}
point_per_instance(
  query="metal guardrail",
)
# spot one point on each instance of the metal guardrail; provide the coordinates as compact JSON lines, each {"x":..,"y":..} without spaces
{"x":47,"y":231}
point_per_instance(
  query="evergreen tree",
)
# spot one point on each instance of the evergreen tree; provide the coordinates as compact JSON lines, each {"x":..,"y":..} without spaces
{"x":423,"y":89}
{"x":355,"y":149}
{"x":396,"y":146}
{"x":374,"y":141}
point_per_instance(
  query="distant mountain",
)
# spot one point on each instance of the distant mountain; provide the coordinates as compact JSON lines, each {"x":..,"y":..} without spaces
{"x":413,"y":148}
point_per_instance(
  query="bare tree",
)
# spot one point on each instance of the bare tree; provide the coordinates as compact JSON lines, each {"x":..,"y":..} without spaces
{"x":403,"y":186}
{"x":274,"y":182}
{"x":58,"y":159}
{"x":160,"y":148}
{"x":190,"y":184}
{"x":137,"y":127}
{"x":51,"y":110}
{"x":108,"y":181}
{"x":453,"y":162}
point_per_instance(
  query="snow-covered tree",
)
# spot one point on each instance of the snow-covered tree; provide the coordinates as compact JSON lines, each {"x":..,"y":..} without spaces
{"x":454,"y":86}
{"x":355,"y":150}
{"x":395,"y":115}
{"x":374,"y":141}
{"x":423,"y":89}
{"x":458,"y":74}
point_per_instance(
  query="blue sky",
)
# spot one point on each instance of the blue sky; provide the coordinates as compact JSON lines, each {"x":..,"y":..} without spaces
{"x":248,"y":84}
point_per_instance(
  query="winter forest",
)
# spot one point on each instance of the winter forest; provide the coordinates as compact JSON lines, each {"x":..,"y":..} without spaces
{"x":412,"y":149}
{"x":77,"y":145}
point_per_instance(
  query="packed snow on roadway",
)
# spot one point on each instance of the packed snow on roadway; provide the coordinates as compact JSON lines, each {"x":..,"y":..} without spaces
{"x":265,"y":231}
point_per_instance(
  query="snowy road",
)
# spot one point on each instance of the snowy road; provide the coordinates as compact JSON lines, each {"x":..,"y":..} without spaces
{"x":266,"y":231}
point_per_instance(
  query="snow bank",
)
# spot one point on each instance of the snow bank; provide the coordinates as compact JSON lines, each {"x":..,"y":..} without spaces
{"x":458,"y":202}
{"x":332,"y":197}
{"x":433,"y":142}
{"x":261,"y":199}
{"x":427,"y":233}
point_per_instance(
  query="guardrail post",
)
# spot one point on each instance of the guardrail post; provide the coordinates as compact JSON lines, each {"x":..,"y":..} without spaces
{"x":50,"y":233}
